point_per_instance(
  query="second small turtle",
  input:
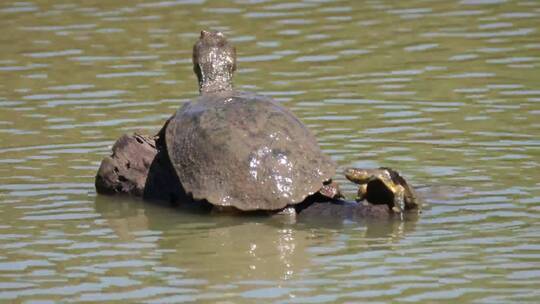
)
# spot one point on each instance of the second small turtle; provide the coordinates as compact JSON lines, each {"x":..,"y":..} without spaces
{"x":383,"y":186}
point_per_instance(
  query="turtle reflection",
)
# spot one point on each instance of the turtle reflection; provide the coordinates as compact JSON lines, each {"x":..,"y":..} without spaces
{"x":242,"y":247}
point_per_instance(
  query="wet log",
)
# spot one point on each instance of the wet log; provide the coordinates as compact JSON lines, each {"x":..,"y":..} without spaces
{"x":126,"y":169}
{"x":140,"y":167}
{"x":340,"y":210}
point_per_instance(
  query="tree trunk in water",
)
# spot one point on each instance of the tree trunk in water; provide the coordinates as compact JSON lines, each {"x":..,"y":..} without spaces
{"x":126,"y":170}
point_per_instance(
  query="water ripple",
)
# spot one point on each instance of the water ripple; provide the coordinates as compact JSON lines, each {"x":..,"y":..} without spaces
{"x":449,"y":97}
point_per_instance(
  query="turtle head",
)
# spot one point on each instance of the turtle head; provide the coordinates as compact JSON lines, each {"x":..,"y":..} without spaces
{"x":214,"y":61}
{"x":358,"y":176}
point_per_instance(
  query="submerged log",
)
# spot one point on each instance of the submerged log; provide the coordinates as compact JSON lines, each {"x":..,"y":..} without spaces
{"x":339,"y":210}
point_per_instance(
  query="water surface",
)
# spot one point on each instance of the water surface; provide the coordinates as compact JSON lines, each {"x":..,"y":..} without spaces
{"x":448,"y":92}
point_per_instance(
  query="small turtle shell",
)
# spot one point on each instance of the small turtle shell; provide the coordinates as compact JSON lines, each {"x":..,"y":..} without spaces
{"x":381,"y":190}
{"x":244,"y":150}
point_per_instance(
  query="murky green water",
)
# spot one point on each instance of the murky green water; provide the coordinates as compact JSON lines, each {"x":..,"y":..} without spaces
{"x":448,"y":92}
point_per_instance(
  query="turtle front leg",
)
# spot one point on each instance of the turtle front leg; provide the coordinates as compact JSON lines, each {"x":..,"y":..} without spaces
{"x":362,"y":192}
{"x":330,"y":189}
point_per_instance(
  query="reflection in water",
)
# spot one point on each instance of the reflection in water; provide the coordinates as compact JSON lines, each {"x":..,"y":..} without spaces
{"x":248,"y":247}
{"x":125,"y":217}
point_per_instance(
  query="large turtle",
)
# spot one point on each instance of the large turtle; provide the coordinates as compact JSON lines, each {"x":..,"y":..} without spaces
{"x":239,"y":149}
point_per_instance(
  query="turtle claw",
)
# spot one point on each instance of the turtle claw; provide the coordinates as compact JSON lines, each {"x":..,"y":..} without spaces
{"x":399,"y":200}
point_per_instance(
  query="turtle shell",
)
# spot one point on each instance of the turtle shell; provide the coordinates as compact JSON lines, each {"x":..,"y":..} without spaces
{"x":244,"y":150}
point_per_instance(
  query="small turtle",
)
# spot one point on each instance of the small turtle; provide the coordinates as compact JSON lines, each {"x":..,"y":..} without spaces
{"x":383,"y":186}
{"x":239,"y":149}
